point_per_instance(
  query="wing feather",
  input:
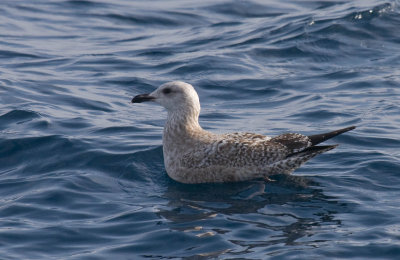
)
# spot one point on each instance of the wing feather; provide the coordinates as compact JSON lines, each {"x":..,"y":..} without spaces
{"x":237,"y":150}
{"x":294,"y":142}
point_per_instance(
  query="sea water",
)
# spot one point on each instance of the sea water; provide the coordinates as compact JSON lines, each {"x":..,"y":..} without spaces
{"x":81,"y":168}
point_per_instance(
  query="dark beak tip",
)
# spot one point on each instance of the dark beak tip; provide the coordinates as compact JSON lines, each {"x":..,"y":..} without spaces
{"x":142,"y":98}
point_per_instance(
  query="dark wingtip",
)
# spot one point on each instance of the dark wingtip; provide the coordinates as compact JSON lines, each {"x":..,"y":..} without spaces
{"x":350,"y":128}
{"x":319,"y":138}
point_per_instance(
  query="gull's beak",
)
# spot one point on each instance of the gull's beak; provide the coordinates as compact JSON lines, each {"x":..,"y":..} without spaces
{"x":142,"y":98}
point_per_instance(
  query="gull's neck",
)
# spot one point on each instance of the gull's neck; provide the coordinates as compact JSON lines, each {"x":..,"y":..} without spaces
{"x":183,"y":123}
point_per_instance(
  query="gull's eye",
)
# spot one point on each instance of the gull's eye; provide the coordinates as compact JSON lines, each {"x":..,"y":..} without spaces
{"x":166,"y":91}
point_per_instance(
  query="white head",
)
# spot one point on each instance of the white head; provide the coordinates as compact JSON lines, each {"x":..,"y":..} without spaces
{"x":177,"y":97}
{"x":174,"y":96}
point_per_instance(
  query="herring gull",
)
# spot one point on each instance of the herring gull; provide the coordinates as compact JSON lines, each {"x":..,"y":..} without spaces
{"x":194,"y":155}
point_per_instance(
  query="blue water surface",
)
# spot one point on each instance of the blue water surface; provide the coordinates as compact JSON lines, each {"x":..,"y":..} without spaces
{"x":81,"y":168}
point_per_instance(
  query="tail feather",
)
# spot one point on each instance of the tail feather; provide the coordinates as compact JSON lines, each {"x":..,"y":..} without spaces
{"x":313,"y":151}
{"x":295,"y":160}
{"x":319,"y":138}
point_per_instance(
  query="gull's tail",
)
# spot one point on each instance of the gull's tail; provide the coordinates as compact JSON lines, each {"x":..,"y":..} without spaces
{"x":294,"y":160}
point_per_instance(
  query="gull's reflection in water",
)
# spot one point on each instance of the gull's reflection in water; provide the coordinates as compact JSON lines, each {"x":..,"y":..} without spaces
{"x":290,"y":210}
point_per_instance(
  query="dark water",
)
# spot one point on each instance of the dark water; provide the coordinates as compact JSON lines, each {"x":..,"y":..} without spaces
{"x":81,"y":169}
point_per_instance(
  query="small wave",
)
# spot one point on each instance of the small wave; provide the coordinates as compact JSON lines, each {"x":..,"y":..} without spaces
{"x":162,"y":20}
{"x":18,"y":116}
{"x":14,"y":54}
{"x":245,"y":9}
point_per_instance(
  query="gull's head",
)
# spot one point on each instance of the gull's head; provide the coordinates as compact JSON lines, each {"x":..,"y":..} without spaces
{"x":176,"y":96}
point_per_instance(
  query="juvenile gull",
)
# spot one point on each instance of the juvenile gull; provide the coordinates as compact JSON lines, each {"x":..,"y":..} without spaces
{"x":194,"y":155}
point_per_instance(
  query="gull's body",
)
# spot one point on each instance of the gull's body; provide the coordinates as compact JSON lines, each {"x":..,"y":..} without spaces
{"x":194,"y":155}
